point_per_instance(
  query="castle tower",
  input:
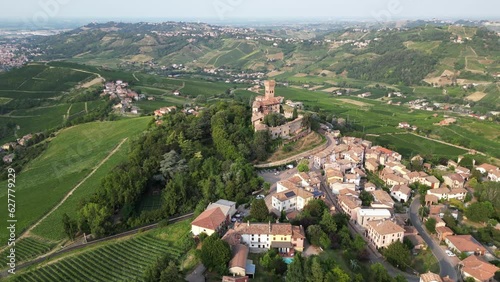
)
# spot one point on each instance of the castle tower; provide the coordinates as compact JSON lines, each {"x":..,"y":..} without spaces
{"x":269,"y":84}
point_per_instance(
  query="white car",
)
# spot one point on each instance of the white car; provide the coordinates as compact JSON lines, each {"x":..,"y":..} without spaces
{"x":260,"y":197}
{"x":449,"y":253}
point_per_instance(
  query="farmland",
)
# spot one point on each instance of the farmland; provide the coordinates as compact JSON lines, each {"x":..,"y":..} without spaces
{"x":53,"y":174}
{"x":380,"y":118}
{"x":119,"y":260}
{"x":27,"y":248}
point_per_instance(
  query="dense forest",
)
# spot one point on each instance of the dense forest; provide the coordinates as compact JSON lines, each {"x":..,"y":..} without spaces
{"x":190,"y":160}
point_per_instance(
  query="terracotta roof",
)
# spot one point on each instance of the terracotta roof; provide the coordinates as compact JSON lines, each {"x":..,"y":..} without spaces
{"x":432,"y":179}
{"x":458,"y":191}
{"x":210,"y":219}
{"x":264,"y":228}
{"x":384,"y":227}
{"x":479,"y":269}
{"x":382,"y":197}
{"x":240,"y":255}
{"x":430,"y":277}
{"x":232,"y":237}
{"x":333,"y":173}
{"x":410,"y":230}
{"x":439,"y":191}
{"x":401,"y":188}
{"x":291,"y":193}
{"x":349,"y":201}
{"x":287,"y":184}
{"x":298,"y":232}
{"x":465,"y":243}
{"x":443,"y":229}
{"x":431,"y":198}
{"x":488,"y":167}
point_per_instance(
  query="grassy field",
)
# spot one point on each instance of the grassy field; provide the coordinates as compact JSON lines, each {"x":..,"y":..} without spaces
{"x":68,"y":159}
{"x":118,"y":260}
{"x":51,"y":227}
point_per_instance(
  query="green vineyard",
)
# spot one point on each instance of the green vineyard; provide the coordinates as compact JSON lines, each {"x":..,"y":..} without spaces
{"x":123,"y":261}
{"x":26,"y":249}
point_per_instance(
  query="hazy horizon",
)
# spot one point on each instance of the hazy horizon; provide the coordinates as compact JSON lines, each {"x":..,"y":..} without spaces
{"x":222,"y":11}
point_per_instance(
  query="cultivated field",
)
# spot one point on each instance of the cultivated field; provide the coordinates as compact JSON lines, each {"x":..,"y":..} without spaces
{"x":123,"y":259}
{"x":68,"y":159}
{"x":476,"y":96}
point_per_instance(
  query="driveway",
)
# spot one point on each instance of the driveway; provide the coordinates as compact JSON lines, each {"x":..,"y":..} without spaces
{"x":197,"y":274}
{"x":446,"y":264}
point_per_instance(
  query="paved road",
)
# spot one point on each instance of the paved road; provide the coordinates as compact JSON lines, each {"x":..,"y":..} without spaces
{"x":445,"y":263}
{"x":197,"y":274}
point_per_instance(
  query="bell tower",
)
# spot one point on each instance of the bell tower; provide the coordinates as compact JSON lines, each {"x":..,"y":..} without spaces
{"x":269,"y":85}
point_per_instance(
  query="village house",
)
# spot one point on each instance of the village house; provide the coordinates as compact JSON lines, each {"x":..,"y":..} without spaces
{"x":291,"y":199}
{"x":338,"y":186}
{"x":402,"y":193}
{"x":478,"y":269}
{"x":392,"y":179}
{"x":431,"y":199}
{"x":333,"y":175}
{"x":454,"y":180}
{"x":264,"y":236}
{"x":433,"y":277}
{"x":163,"y":111}
{"x":370,"y":187}
{"x":442,"y":232}
{"x":465,"y":244}
{"x":349,"y":205}
{"x":209,"y":222}
{"x":492,"y":172}
{"x":382,"y":233}
{"x":417,"y":241}
{"x":440,"y":193}
{"x":382,"y":200}
{"x":431,"y":181}
{"x":366,"y":215}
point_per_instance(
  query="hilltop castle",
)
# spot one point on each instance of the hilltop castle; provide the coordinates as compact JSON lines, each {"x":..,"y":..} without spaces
{"x":268,"y":104}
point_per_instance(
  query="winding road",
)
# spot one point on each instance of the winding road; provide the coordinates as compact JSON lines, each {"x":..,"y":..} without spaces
{"x":445,"y":263}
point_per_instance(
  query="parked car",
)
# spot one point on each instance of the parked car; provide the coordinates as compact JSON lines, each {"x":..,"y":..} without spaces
{"x":260,"y":197}
{"x":449,"y":253}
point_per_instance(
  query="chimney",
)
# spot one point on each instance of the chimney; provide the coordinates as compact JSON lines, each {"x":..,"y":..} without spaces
{"x":248,"y":222}
{"x":269,"y":226}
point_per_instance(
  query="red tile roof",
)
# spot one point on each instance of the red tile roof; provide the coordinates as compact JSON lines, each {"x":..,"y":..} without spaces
{"x":210,"y":219}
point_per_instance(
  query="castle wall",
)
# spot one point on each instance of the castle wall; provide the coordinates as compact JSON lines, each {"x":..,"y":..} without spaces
{"x":286,"y":130}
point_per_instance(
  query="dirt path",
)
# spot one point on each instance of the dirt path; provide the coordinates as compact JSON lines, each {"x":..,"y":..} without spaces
{"x":27,"y":232}
{"x":135,"y":77}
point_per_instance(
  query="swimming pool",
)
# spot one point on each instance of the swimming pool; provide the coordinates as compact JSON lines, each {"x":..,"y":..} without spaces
{"x":288,"y":260}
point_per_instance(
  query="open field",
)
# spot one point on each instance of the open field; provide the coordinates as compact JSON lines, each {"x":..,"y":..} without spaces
{"x":476,"y":96}
{"x":93,"y":82}
{"x":119,"y":260}
{"x":4,"y":100}
{"x":355,"y":102}
{"x":53,"y":174}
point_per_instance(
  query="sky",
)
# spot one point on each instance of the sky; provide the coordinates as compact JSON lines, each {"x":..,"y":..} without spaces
{"x":230,"y":10}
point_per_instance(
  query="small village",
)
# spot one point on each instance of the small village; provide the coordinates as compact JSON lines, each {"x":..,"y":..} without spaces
{"x":382,"y":198}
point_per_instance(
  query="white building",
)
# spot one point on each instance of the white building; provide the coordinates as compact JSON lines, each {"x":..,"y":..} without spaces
{"x":366,"y":215}
{"x":402,"y":193}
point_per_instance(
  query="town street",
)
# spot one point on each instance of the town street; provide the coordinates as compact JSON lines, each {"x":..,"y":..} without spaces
{"x":445,"y":263}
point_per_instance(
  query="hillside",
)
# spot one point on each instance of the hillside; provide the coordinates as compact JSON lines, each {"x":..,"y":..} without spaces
{"x":443,"y":63}
{"x":69,"y":158}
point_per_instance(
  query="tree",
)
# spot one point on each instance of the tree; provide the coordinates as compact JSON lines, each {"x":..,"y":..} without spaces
{"x":259,"y":210}
{"x":215,"y":254}
{"x":480,"y":211}
{"x":295,"y":271}
{"x":172,"y":164}
{"x":366,"y":198}
{"x":171,"y":273}
{"x":303,"y":166}
{"x":316,"y":271}
{"x":430,"y":224}
{"x":318,"y":237}
{"x":70,"y":226}
{"x":398,"y":255}
{"x":379,"y":273}
{"x":337,"y":275}
{"x":295,"y":114}
{"x":261,"y":145}
{"x":327,"y":223}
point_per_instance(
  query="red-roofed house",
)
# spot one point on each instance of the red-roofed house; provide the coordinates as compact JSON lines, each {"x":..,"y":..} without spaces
{"x":478,"y":269}
{"x":209,"y":222}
